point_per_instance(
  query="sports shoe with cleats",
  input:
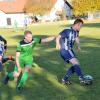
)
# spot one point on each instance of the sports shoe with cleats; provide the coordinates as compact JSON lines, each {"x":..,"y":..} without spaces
{"x":66,"y":82}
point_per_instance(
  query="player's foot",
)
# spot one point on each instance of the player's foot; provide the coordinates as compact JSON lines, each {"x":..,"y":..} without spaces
{"x":18,"y":89}
{"x":86,"y":82}
{"x":6,"y":79}
{"x":82,"y":80}
{"x":66,"y":82}
{"x":11,"y":58}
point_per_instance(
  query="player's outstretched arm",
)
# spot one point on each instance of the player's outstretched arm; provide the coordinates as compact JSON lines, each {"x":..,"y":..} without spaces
{"x":17,"y":61}
{"x":58,"y":46}
{"x":48,"y":39}
{"x":78,"y":43}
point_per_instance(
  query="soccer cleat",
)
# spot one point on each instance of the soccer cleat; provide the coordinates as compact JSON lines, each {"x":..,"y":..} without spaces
{"x":11,"y":58}
{"x":86,"y":82}
{"x":6,"y":79}
{"x":18,"y":89}
{"x":66,"y":82}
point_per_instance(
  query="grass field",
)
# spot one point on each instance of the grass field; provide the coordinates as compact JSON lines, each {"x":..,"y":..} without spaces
{"x":49,"y":68}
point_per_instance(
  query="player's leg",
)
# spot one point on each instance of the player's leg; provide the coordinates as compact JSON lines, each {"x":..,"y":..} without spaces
{"x":11,"y":75}
{"x":5,"y":59}
{"x":23,"y":78}
{"x":76,"y":67}
{"x":25,"y":74}
{"x":14,"y":74}
{"x":66,"y":56}
{"x":68,"y":74}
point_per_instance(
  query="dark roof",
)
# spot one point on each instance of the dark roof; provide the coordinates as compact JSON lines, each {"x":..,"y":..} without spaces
{"x":68,"y":4}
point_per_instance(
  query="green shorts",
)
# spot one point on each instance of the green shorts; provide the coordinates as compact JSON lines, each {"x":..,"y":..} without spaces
{"x":24,"y":62}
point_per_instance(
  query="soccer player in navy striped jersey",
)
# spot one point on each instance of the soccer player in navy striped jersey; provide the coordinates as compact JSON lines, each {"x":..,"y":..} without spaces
{"x":65,"y":42}
{"x":3,"y":48}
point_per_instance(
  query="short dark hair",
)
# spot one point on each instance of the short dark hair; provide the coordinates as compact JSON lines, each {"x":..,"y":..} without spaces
{"x":78,"y":21}
{"x":27,"y":32}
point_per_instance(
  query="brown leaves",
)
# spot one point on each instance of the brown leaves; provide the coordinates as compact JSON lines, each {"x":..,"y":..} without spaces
{"x":83,"y":6}
{"x":39,"y":6}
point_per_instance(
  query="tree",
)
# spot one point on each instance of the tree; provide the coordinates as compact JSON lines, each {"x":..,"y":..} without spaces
{"x":39,"y":6}
{"x":83,"y":6}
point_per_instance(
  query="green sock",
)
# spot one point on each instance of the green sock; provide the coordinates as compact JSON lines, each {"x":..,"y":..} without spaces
{"x":23,"y":79}
{"x":11,"y":75}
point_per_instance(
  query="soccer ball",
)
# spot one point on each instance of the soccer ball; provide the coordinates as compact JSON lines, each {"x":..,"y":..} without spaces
{"x":88,"y":79}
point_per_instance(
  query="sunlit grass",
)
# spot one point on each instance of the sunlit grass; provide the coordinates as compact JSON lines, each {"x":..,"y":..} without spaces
{"x":48,"y":67}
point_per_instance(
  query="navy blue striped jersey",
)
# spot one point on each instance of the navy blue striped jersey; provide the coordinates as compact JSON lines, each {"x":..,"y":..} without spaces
{"x":68,"y":38}
{"x":3,"y":42}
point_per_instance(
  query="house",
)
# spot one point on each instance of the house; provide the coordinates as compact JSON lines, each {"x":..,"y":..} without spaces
{"x":12,"y":13}
{"x":61,"y":7}
{"x":94,"y":15}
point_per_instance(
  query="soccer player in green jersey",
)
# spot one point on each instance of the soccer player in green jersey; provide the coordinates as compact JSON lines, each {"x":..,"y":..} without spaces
{"x":24,"y":58}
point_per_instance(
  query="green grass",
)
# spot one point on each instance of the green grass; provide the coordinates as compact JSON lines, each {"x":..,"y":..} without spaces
{"x":49,"y":68}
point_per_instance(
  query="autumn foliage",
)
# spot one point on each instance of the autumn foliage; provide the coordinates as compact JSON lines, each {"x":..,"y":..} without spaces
{"x":84,"y":6}
{"x":39,"y":6}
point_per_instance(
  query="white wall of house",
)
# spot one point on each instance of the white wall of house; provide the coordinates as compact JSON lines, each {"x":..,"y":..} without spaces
{"x":67,"y":10}
{"x":94,"y":15}
{"x":2,"y":19}
{"x":60,"y":5}
{"x":17,"y":19}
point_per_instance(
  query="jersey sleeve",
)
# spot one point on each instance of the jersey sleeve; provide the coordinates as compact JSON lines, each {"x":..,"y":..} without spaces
{"x":37,"y":40}
{"x":63,"y":33}
{"x":18,"y":48}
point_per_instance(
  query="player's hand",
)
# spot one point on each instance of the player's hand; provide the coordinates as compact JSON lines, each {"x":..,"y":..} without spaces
{"x":79,"y":49}
{"x":5,"y":51}
{"x":16,"y":74}
{"x":58,"y":47}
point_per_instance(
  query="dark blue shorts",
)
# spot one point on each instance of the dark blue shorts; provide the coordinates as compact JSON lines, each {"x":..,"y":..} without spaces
{"x":67,"y":54}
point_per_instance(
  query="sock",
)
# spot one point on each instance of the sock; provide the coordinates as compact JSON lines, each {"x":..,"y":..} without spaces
{"x":78,"y":70}
{"x":1,"y":67}
{"x":23,"y":79}
{"x":69,"y":73}
{"x":11,"y":75}
{"x":5,"y":59}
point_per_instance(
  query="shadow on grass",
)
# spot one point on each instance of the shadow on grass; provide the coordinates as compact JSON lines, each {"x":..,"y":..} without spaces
{"x":49,"y":68}
{"x":48,"y":57}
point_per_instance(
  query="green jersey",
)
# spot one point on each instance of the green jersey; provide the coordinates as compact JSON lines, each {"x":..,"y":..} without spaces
{"x":26,"y":49}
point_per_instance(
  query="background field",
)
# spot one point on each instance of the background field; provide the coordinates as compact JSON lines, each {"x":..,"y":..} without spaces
{"x":49,"y":68}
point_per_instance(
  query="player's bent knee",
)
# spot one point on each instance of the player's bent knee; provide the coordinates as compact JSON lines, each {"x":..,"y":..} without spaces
{"x":27,"y":69}
{"x":74,"y":61}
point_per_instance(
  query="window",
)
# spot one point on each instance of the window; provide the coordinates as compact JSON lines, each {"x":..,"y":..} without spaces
{"x":8,"y":21}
